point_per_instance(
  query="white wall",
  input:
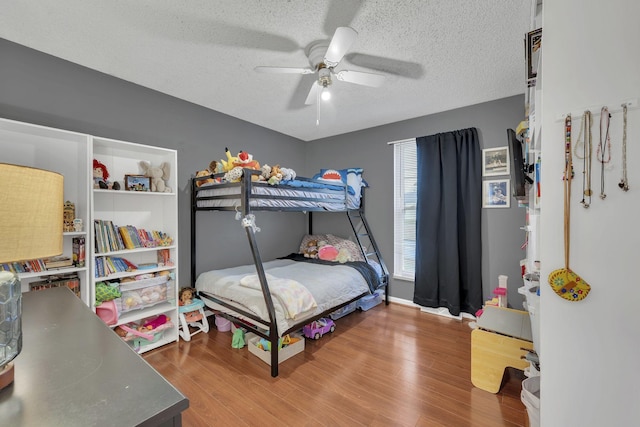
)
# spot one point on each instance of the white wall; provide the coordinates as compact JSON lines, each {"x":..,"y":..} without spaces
{"x":590,"y":358}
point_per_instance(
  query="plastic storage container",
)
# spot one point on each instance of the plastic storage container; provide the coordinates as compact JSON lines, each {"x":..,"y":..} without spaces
{"x":341,"y":312}
{"x":530,"y":396}
{"x":143,"y":293}
{"x":369,"y":301}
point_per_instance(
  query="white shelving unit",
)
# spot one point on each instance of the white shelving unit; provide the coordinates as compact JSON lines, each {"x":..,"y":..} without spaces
{"x":67,"y":153}
{"x":143,"y":210}
{"x":71,"y":154}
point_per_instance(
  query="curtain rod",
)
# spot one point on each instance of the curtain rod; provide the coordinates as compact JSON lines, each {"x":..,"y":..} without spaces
{"x":401,"y":141}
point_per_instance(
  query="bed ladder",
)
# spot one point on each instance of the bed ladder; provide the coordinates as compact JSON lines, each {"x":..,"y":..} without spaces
{"x":368,"y":246}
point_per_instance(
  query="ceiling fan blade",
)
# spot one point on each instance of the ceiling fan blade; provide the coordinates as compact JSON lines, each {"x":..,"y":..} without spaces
{"x":361,"y":78}
{"x":412,"y":70}
{"x":313,"y":94}
{"x":340,"y":44}
{"x":284,"y":70}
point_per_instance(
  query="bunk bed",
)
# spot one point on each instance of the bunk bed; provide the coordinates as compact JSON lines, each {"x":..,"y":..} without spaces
{"x":252,"y":296}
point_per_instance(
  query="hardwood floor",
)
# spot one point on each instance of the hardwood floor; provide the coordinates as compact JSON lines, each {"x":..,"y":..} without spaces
{"x":389,"y":366}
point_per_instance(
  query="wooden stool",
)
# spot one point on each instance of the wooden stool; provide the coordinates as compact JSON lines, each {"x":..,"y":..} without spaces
{"x":192,"y":315}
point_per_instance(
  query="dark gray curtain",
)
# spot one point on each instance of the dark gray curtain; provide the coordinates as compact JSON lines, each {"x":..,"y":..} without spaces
{"x":448,"y":212}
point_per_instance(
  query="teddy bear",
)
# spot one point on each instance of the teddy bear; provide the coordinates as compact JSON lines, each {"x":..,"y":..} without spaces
{"x":311,"y":251}
{"x":158,"y":174}
{"x":275,"y":176}
{"x":213,"y":169}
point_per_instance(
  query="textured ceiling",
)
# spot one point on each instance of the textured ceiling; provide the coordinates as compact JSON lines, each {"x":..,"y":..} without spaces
{"x":436,"y":54}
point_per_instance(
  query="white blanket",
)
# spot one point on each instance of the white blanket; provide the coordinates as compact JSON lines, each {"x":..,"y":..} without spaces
{"x":329,"y":285}
{"x":293,"y":296}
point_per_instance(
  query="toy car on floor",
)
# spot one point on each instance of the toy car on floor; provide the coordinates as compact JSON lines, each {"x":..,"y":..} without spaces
{"x":318,"y":328}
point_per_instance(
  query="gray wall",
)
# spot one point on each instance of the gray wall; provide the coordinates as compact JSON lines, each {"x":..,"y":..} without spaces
{"x":45,"y":90}
{"x":368,"y":149}
{"x":41,"y":89}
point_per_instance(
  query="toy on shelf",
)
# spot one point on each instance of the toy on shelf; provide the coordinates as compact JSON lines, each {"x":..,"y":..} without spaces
{"x":101,"y":177}
{"x":318,"y":328}
{"x":159,"y":176}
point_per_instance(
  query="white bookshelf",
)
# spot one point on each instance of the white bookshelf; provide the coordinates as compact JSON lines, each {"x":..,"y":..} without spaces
{"x":67,"y":153}
{"x":143,"y":210}
{"x":71,"y":154}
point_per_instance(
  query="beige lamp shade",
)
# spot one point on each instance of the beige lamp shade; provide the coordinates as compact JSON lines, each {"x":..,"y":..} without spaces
{"x":31,"y":213}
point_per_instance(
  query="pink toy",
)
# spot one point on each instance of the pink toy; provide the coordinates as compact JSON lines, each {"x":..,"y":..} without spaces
{"x":328,"y":253}
{"x":501,"y":293}
{"x":154,"y":323}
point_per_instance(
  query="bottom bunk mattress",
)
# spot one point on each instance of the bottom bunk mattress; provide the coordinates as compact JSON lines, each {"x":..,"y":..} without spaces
{"x":329,"y":285}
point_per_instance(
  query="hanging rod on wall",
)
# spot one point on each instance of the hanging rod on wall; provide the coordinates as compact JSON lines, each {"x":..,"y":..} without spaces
{"x":631,"y":104}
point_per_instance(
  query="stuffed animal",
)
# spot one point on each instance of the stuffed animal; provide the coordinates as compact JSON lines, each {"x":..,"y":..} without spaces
{"x":327,"y":253}
{"x":158,"y":174}
{"x":101,"y":176}
{"x":266,"y":173}
{"x":229,"y":163}
{"x":186,"y":296}
{"x":234,"y":175}
{"x":245,"y":160}
{"x":288,"y":174}
{"x":275,"y":176}
{"x":311,"y":251}
{"x":213,"y":169}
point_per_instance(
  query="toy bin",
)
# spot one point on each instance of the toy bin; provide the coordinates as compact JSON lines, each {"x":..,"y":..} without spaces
{"x":285,"y":352}
{"x":341,"y":312}
{"x":530,"y":396}
{"x":367,"y":302}
{"x":143,"y":293}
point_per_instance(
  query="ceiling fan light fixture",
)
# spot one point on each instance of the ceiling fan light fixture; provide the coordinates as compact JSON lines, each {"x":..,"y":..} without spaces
{"x":326,"y":94}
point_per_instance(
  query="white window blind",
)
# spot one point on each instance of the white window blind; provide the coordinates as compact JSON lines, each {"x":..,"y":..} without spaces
{"x":405,"y":197}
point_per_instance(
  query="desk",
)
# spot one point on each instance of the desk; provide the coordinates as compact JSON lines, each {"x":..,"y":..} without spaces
{"x":74,"y":371}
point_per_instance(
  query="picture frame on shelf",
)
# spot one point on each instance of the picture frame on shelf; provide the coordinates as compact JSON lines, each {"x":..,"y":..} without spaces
{"x":495,"y":193}
{"x":533,"y":46}
{"x":137,"y":183}
{"x":495,"y":161}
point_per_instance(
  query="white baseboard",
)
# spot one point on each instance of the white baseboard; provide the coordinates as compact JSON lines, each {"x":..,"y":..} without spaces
{"x":441,"y":311}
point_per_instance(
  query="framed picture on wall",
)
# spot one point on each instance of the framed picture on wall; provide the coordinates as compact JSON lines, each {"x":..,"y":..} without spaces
{"x":495,"y":161}
{"x":495,"y":193}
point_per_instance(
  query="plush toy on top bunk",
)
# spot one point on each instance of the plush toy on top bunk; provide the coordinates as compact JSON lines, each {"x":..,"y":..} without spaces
{"x":214,"y":168}
{"x":233,"y":166}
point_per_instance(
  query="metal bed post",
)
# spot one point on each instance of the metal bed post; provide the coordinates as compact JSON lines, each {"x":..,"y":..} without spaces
{"x":248,"y":222}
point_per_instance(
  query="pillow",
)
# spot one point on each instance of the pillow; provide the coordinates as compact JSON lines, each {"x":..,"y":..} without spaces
{"x":352,"y":177}
{"x":351,"y":247}
{"x":305,"y":240}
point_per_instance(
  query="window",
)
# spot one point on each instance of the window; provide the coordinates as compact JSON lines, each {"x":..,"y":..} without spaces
{"x":405,"y":197}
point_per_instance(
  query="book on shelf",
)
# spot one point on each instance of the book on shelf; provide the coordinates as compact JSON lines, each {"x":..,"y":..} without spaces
{"x":147,"y":266}
{"x":58,"y":262}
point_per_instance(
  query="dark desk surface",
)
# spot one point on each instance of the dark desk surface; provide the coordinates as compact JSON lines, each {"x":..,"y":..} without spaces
{"x":74,"y":371}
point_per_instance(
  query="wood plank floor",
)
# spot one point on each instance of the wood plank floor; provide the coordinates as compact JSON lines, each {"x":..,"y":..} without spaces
{"x":389,"y":366}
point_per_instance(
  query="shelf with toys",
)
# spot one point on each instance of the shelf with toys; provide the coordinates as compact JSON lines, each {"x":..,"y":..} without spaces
{"x":135,"y":238}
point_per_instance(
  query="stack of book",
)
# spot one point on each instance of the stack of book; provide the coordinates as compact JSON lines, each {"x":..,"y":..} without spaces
{"x":58,"y":262}
{"x":107,"y":265}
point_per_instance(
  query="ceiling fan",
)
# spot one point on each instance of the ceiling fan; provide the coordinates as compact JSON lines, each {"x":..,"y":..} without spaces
{"x":324,"y":58}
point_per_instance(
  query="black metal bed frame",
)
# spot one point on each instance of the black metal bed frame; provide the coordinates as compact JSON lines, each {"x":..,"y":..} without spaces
{"x":357,"y":221}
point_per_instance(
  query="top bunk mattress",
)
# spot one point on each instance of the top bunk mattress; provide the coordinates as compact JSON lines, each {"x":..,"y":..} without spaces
{"x":330,"y":285}
{"x":290,"y":195}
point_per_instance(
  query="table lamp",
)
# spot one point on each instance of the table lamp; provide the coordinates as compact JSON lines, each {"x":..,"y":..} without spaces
{"x":31,"y":205}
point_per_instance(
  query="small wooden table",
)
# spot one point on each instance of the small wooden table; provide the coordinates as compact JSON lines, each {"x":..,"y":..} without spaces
{"x":492,"y":351}
{"x":74,"y":371}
